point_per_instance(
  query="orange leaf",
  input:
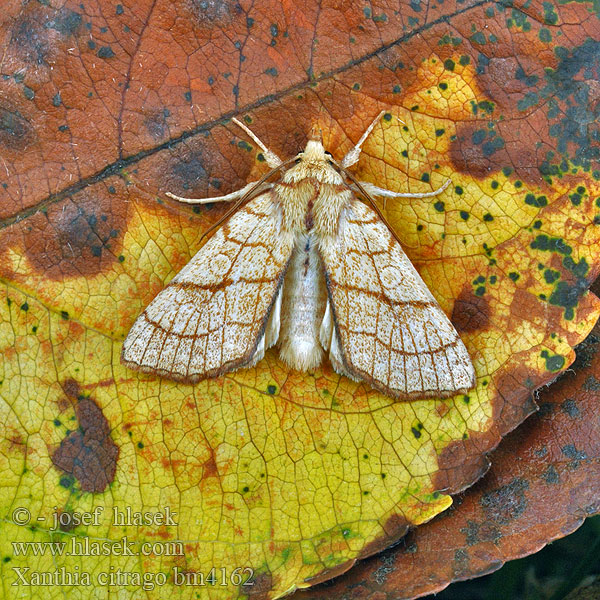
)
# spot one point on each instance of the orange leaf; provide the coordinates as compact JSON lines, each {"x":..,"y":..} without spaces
{"x":105,"y":107}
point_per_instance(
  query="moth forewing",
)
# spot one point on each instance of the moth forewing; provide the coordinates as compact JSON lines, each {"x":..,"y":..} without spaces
{"x":391,"y":330}
{"x":213,"y":315}
{"x":308,"y":266}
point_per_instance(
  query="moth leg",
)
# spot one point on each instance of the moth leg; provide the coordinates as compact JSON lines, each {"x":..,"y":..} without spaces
{"x":226,"y":198}
{"x":272,"y":159}
{"x":352,"y":157}
{"x":377,"y":191}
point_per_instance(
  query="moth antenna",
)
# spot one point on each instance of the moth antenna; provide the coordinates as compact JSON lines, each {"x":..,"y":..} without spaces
{"x":272,"y":159}
{"x":368,"y":197}
{"x":377,"y":191}
{"x":352,"y":157}
{"x":212,"y":199}
{"x":246,"y":196}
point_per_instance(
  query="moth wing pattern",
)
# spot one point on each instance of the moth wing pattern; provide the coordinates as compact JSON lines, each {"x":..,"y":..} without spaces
{"x":382,"y":324}
{"x":221,"y":311}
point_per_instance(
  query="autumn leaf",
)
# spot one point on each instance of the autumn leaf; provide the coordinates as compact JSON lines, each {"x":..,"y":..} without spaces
{"x":293,"y":476}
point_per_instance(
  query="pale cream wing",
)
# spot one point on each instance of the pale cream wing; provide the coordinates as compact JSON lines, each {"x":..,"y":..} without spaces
{"x":382,"y":324}
{"x":213,"y":316}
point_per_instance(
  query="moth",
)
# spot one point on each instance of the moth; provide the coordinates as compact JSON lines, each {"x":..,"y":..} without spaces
{"x":304,"y":264}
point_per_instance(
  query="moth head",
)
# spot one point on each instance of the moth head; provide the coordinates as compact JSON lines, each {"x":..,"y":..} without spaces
{"x":314,"y":151}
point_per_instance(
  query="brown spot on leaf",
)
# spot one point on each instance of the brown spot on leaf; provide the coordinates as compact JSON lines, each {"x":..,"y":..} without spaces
{"x":156,"y":124}
{"x":214,"y":12}
{"x":71,"y":389}
{"x":513,"y":400}
{"x":524,"y":304}
{"x":63,"y":404}
{"x":16,"y":442}
{"x":16,"y":133}
{"x":35,"y":33}
{"x":89,"y":453}
{"x":442,"y":409}
{"x":210,"y":466}
{"x":102,"y":383}
{"x":79,"y":237}
{"x":471,"y":312}
{"x":478,"y":151}
{"x":263,"y":584}
{"x":65,"y":524}
{"x":394,"y":528}
{"x":460,"y":464}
